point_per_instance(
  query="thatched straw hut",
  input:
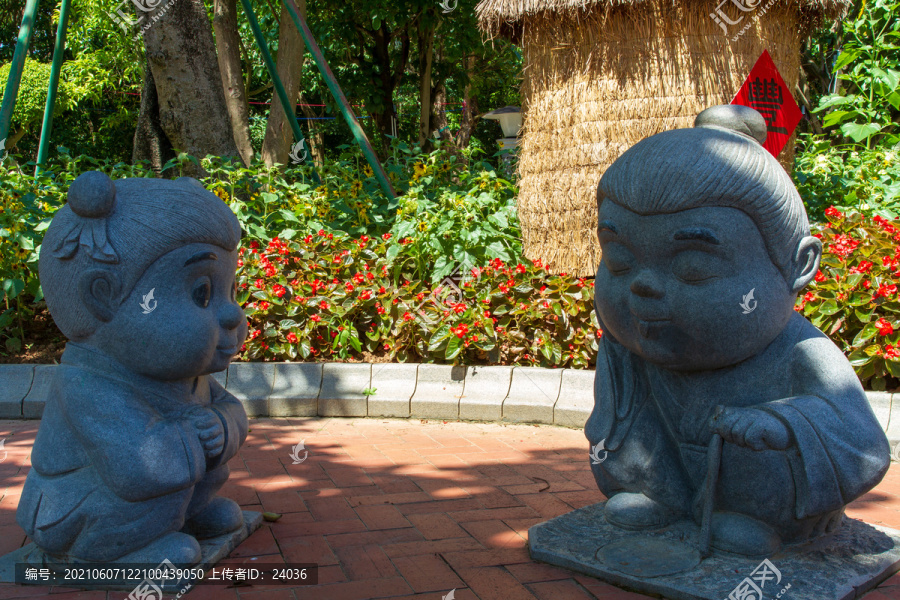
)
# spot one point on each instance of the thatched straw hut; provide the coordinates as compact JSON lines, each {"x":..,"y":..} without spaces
{"x":600,"y":75}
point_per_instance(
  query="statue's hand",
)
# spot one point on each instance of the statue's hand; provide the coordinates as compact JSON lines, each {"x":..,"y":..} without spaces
{"x":209,"y":429}
{"x":752,"y":428}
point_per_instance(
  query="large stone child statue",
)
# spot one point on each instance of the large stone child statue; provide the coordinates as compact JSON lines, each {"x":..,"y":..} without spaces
{"x":135,"y":436}
{"x":706,"y":245}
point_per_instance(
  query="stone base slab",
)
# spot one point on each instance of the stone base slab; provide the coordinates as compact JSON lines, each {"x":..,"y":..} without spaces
{"x":212,"y":551}
{"x":843,"y":567}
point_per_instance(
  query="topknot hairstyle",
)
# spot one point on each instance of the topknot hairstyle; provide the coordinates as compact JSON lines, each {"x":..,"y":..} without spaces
{"x":123,"y":227}
{"x":718,"y":162}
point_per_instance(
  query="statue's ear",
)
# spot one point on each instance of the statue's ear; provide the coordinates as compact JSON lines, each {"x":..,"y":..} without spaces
{"x":99,"y":290}
{"x":806,"y":263}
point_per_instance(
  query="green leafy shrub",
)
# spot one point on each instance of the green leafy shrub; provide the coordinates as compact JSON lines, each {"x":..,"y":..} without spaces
{"x":847,"y":177}
{"x":854,"y":296}
{"x":869,"y":67}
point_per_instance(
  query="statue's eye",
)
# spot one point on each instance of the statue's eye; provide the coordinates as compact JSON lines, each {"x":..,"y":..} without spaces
{"x":617,"y":259}
{"x":201,"y":293}
{"x":695,"y":267}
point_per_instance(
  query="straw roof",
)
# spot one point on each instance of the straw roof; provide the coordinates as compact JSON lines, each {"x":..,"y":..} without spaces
{"x":504,"y":17}
{"x":594,"y":87}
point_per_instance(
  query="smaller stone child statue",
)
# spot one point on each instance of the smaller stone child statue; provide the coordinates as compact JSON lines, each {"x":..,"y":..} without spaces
{"x":140,"y":276}
{"x":706,"y":245}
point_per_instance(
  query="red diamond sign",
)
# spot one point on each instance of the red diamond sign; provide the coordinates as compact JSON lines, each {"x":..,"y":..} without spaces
{"x":765,"y":91}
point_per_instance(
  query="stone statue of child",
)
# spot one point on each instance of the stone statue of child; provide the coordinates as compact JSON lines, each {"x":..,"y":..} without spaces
{"x":140,"y":276}
{"x":706,"y":245}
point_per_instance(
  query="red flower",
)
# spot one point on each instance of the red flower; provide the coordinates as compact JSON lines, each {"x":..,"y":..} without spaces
{"x":321,"y":232}
{"x":890,"y":352}
{"x":315,"y":318}
{"x":820,"y":277}
{"x":270,"y":271}
{"x":833,"y":213}
{"x":264,"y":305}
{"x":254,"y":244}
{"x":380,"y":310}
{"x":886,"y":290}
{"x":260,"y":283}
{"x":809,"y":297}
{"x":884,"y":327}
{"x":279,"y":290}
{"x":408,"y":317}
{"x":863,"y":267}
{"x":386,"y":237}
{"x":843,"y":245}
{"x":323,"y":305}
{"x":255,"y":334}
{"x":292,"y":337}
{"x":365,"y":295}
{"x":599,"y":333}
{"x":460,"y":330}
{"x":381,"y":290}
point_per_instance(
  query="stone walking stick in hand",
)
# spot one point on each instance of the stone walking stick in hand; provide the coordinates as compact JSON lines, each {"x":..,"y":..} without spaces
{"x":714,"y":460}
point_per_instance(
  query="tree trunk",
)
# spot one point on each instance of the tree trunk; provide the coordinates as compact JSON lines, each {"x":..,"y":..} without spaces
{"x":426,"y":56}
{"x":279,"y":134}
{"x":317,"y":139}
{"x":389,"y":77}
{"x":228,"y":44}
{"x":470,"y":108}
{"x":189,"y":105}
{"x":150,"y":141}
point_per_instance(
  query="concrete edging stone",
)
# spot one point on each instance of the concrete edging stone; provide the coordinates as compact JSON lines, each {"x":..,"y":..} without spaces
{"x":562,"y":397}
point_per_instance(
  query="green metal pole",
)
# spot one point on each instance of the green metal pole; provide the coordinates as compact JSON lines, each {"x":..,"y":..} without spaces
{"x":339,"y":97}
{"x":58,"y":51}
{"x":289,"y":107}
{"x":15,"y":69}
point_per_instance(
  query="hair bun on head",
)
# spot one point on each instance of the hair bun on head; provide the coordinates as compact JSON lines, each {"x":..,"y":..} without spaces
{"x":737,"y":118}
{"x":92,"y":195}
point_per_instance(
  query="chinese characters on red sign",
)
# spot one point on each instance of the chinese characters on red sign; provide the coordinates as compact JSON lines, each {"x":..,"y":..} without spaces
{"x":765,"y":91}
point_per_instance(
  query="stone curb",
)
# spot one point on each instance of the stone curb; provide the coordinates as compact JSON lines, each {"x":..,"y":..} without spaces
{"x":563,"y":397}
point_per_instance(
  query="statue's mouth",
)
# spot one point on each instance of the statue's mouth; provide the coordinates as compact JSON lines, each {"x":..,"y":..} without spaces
{"x":227,"y":349}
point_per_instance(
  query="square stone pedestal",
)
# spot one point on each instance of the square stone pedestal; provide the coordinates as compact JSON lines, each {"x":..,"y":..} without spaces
{"x":666,"y":563}
{"x":212,"y":551}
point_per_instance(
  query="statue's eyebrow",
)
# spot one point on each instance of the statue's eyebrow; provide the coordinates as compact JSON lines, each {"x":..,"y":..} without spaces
{"x":607,"y":225}
{"x":201,"y":256}
{"x":698,"y":234}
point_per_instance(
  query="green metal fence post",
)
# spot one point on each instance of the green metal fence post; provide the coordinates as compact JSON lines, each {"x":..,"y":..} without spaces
{"x":15,"y":69}
{"x":58,"y":51}
{"x":339,"y":97}
{"x":289,"y":107}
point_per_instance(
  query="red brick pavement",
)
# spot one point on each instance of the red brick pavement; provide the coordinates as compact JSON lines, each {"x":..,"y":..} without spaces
{"x":401,"y":509}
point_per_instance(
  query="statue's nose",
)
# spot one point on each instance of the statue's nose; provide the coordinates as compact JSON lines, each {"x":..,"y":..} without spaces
{"x":647,"y":285}
{"x":230,"y":316}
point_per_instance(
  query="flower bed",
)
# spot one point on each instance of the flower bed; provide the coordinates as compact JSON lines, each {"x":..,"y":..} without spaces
{"x":854,"y":296}
{"x":330,"y":296}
